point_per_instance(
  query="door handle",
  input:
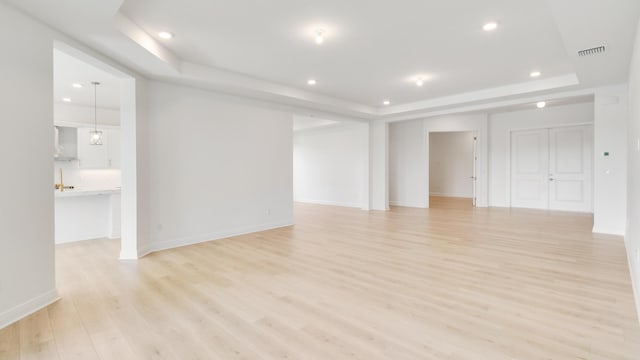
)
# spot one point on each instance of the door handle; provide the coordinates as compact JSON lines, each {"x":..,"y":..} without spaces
{"x":551,"y":179}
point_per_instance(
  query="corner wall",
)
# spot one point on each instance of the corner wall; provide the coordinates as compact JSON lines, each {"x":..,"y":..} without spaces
{"x":330,"y":165}
{"x":632,"y":237}
{"x":27,"y":272}
{"x":218,"y":166}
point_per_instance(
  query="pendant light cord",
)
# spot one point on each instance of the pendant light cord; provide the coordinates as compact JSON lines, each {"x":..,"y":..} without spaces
{"x":95,"y":105}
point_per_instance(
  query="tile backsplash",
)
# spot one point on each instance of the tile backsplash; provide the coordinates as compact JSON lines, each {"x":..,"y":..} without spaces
{"x":86,"y":178}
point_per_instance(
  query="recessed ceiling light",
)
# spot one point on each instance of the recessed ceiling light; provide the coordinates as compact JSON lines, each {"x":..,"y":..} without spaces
{"x":66,"y":99}
{"x":541,"y":104}
{"x":319,"y":36}
{"x":490,"y":26}
{"x":386,"y":102}
{"x":312,"y":82}
{"x":165,"y":35}
{"x":535,"y":74}
{"x":420,"y":81}
{"x":77,"y":85}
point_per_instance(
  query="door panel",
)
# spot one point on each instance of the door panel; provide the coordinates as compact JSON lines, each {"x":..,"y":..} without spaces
{"x":529,"y":169}
{"x":570,"y":168}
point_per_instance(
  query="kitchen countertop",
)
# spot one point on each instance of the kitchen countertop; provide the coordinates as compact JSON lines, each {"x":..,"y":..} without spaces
{"x":85,"y":192}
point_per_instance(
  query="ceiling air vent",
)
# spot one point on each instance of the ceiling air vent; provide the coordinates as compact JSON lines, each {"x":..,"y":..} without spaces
{"x":592,"y":51}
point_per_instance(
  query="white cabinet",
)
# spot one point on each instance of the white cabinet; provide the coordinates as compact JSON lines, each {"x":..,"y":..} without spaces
{"x":115,"y":148}
{"x":66,"y":143}
{"x":105,"y":156}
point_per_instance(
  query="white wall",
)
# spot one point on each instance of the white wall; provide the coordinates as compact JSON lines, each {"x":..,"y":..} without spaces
{"x":610,"y":173}
{"x":500,"y":127}
{"x":451,"y":164}
{"x":408,"y":183}
{"x":329,"y":165}
{"x":219,"y":165}
{"x":632,"y":238}
{"x":27,"y":270}
{"x":378,"y":166}
{"x":409,"y":156}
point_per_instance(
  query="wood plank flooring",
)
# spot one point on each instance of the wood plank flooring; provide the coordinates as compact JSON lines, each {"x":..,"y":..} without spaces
{"x":452,"y":283}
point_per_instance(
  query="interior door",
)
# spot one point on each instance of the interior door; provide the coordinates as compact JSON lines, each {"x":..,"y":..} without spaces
{"x":530,"y":169}
{"x":570,"y":152}
{"x":474,"y":176}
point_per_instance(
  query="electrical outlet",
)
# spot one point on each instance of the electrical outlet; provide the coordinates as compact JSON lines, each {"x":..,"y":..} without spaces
{"x":268,"y":211}
{"x":159,"y":227}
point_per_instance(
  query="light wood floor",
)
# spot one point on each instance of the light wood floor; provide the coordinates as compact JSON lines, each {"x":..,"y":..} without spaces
{"x":443,"y":202}
{"x":344,"y":283}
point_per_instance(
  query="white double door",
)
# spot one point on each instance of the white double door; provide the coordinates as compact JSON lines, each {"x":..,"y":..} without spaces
{"x":552,"y":168}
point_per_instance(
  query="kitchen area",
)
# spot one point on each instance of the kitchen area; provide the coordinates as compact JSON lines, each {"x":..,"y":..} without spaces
{"x":87,"y":151}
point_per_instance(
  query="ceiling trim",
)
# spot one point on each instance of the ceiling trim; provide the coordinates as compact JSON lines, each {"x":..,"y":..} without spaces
{"x":488,"y":106}
{"x":131,"y":30}
{"x":554,"y":83}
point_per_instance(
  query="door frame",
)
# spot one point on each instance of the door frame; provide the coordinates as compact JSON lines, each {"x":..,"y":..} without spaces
{"x":129,"y":123}
{"x":554,"y":126}
{"x":474,"y":170}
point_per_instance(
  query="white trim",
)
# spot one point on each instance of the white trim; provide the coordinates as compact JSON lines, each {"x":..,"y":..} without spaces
{"x":329,"y":203}
{"x":525,"y":88}
{"x":27,"y":308}
{"x":409,"y":204}
{"x":86,"y":125}
{"x":633,"y":274}
{"x":602,"y":230}
{"x":450,"y":196}
{"x":197,"y":239}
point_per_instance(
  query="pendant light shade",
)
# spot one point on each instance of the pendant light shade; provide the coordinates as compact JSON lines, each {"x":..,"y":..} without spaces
{"x":95,"y":135}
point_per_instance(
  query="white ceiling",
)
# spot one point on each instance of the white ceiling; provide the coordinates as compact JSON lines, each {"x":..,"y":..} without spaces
{"x":265,"y":49}
{"x":68,"y":70}
{"x":373,"y":48}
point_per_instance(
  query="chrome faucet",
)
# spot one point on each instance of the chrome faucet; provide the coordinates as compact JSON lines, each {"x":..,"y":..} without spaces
{"x":61,"y":186}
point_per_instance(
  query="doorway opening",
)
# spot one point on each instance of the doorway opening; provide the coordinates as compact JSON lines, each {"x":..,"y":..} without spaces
{"x":94,"y":145}
{"x":452,"y":169}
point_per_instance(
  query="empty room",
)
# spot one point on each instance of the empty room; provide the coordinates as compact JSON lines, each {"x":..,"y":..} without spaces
{"x":286,"y":179}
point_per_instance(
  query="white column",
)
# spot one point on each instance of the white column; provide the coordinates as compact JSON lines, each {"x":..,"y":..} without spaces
{"x":129,"y":194}
{"x":610,"y":160}
{"x":379,"y":166}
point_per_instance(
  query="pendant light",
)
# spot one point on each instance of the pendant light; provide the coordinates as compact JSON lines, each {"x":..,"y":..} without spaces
{"x":95,"y":134}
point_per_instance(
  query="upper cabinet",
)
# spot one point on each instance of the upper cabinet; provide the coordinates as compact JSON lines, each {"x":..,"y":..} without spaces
{"x":105,"y":156}
{"x":66,"y":143}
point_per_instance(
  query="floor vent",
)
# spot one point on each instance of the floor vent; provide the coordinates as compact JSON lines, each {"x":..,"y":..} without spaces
{"x":592,"y":51}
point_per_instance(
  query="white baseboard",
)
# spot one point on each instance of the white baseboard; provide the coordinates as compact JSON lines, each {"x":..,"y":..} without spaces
{"x":408,"y":204}
{"x":191,"y":240}
{"x":605,"y":231}
{"x":330,"y":203}
{"x":635,"y":275}
{"x":451,"y":195}
{"x":27,"y":308}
